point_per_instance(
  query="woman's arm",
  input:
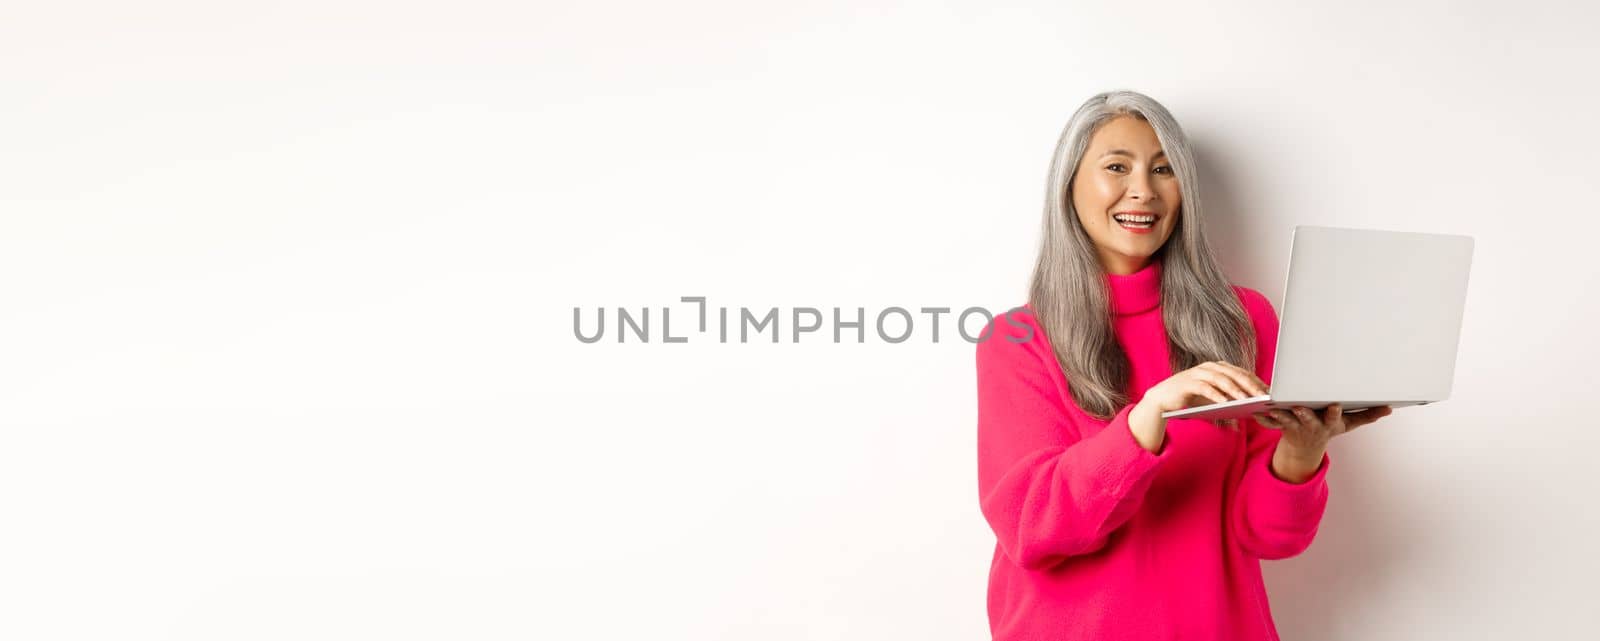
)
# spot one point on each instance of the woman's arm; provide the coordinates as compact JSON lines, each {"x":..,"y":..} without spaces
{"x":1273,"y":517}
{"x":1278,"y":503}
{"x":1050,"y":488}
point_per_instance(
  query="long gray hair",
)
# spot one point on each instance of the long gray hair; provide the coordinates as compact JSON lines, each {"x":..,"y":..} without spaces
{"x":1070,"y":294}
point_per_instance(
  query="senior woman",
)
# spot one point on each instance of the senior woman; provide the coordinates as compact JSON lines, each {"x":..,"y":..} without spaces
{"x":1111,"y":522}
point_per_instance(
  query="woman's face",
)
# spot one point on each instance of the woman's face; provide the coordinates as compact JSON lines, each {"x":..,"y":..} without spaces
{"x":1124,"y":172}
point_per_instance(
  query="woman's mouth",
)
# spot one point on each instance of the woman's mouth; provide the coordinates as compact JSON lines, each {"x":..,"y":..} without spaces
{"x":1136,"y":223}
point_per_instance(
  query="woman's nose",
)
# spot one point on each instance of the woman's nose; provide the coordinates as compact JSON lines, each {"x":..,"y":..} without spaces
{"x":1139,"y":188}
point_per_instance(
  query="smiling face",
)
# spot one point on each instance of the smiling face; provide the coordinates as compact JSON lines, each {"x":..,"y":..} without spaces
{"x":1125,"y":175}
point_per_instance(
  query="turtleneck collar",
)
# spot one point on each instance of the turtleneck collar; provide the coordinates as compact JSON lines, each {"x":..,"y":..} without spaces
{"x":1137,"y":292}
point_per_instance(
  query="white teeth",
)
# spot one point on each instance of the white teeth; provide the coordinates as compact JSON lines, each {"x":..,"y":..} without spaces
{"x":1136,"y":219}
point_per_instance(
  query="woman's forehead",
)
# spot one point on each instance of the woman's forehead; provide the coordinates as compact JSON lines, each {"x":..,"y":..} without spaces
{"x":1126,"y":135}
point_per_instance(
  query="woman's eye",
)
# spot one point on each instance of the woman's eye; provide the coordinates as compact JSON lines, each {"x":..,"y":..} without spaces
{"x":1164,"y":169}
{"x":1116,"y":166}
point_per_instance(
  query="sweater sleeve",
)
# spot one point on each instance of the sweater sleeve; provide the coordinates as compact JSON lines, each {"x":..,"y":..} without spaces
{"x":1050,"y":487}
{"x":1270,"y":517}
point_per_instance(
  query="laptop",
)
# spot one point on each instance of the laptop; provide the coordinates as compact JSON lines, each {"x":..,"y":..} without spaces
{"x":1369,"y":318}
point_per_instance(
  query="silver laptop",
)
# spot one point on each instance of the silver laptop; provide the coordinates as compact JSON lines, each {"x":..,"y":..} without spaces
{"x":1368,"y":318}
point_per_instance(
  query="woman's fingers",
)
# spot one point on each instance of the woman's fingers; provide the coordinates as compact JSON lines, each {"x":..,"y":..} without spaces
{"x":1308,"y":417}
{"x":1210,"y":379}
{"x":1288,"y":419}
{"x":1332,"y":420}
{"x":1244,"y":381}
{"x":1280,"y":419}
{"x":1333,"y":416}
{"x":1367,"y":417}
{"x":1202,"y":388}
{"x":1222,"y":382}
{"x":1257,"y":384}
{"x":1252,"y":382}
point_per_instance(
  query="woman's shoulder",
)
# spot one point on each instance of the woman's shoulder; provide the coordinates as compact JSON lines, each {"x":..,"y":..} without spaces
{"x":1256,"y":305}
{"x":1011,"y":333}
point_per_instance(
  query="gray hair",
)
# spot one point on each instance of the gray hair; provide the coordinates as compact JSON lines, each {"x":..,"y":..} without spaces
{"x":1204,"y":318}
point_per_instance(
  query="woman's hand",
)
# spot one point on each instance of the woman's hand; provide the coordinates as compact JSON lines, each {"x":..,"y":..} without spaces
{"x":1216,"y":381}
{"x":1306,"y":435}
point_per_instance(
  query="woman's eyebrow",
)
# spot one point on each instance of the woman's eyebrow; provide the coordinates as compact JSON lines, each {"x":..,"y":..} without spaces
{"x":1125,"y":152}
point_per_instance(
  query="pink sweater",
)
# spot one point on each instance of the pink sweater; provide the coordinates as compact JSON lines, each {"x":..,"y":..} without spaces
{"x":1096,"y":537}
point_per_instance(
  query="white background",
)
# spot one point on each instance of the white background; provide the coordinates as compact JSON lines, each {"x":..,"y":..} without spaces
{"x":286,"y":334}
